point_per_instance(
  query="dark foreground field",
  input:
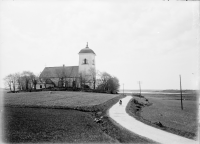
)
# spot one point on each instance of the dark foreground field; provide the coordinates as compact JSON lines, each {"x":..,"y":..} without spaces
{"x":51,"y":125}
{"x":166,"y":109}
{"x":65,"y":117}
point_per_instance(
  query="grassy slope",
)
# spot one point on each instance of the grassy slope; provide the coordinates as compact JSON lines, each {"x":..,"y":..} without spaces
{"x":51,"y":125}
{"x":27,"y":119}
{"x":185,"y":119}
{"x":166,"y":109}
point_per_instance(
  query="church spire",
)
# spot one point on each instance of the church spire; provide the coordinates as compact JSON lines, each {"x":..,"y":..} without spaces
{"x":87,"y":45}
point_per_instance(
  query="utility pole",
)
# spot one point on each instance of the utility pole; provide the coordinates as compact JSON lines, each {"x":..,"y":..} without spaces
{"x":140,"y":89}
{"x":181,"y":93}
{"x":123,"y":89}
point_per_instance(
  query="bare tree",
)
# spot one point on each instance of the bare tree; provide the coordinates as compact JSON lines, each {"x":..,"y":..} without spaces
{"x":11,"y":81}
{"x":8,"y":81}
{"x":33,"y":79}
{"x":108,"y":83}
{"x":60,"y":75}
{"x":68,"y":75}
{"x":45,"y":78}
{"x":22,"y":80}
{"x":14,"y":81}
{"x":104,"y":77}
{"x":92,"y":76}
{"x":113,"y":84}
{"x":27,"y":77}
{"x":65,"y":76}
{"x":84,"y":79}
{"x":19,"y":80}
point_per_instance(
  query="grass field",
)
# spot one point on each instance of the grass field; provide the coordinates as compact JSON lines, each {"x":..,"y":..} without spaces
{"x":37,"y":117}
{"x":28,"y":119}
{"x":166,"y":109}
{"x":169,"y":112}
{"x":58,"y":99}
{"x":51,"y":125}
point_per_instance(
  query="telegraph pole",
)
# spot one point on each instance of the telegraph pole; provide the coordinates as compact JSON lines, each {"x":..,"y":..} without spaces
{"x":181,"y":93}
{"x":123,"y":89}
{"x":140,"y":88}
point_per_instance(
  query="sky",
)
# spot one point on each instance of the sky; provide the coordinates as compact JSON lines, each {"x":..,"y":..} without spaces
{"x":149,"y":41}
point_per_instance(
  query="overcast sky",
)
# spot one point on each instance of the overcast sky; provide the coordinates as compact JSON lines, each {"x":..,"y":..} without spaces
{"x":152,"y":42}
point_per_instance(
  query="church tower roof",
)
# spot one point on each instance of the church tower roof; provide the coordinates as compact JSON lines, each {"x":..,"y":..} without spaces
{"x":86,"y":50}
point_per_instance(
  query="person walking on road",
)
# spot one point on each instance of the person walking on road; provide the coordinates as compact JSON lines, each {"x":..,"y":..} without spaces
{"x":120,"y":102}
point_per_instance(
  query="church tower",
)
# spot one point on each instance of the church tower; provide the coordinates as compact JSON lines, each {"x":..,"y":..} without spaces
{"x":86,"y":61}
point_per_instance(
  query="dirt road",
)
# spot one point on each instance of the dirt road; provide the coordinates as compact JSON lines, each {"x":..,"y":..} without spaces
{"x":118,"y":113}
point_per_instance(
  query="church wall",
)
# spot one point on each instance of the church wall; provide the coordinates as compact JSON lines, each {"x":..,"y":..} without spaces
{"x":84,"y":68}
{"x":40,"y":86}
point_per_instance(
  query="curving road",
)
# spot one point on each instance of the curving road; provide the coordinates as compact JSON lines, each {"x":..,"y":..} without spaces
{"x":118,"y":113}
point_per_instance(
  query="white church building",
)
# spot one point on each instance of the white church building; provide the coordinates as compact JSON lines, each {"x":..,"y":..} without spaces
{"x":71,"y":76}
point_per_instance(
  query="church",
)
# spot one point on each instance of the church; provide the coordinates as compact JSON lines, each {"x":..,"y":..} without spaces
{"x":71,"y":76}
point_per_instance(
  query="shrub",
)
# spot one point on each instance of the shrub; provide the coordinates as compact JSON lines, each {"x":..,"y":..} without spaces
{"x":109,"y":84}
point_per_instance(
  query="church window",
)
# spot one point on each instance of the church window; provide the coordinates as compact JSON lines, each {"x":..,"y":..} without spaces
{"x":85,"y":61}
{"x":93,"y":62}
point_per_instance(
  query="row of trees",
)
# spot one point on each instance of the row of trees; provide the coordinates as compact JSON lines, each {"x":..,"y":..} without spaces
{"x":23,"y":81}
{"x":101,"y":81}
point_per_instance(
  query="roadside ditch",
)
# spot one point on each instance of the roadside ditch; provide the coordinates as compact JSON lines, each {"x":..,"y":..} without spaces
{"x":134,"y":108}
